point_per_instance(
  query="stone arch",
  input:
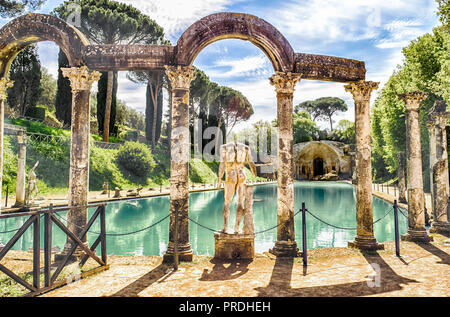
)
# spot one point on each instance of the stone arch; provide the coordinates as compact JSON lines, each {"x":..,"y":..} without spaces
{"x":226,"y":25}
{"x":32,"y":28}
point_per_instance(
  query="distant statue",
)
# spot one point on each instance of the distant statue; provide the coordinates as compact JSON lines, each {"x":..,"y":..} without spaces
{"x":233,"y":157}
{"x":32,"y":189}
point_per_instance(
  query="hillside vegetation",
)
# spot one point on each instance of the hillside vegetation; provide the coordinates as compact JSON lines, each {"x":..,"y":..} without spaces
{"x":53,"y":155}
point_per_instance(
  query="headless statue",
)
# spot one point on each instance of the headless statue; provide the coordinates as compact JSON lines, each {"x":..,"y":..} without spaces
{"x":233,"y":157}
{"x":32,"y":189}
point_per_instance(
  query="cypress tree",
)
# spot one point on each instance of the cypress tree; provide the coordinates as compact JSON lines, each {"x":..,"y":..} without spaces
{"x":63,"y":100}
{"x":26,"y":73}
{"x":101,"y":103}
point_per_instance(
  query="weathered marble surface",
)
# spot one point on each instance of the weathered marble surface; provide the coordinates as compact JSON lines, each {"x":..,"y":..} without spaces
{"x":416,"y":203}
{"x":284,"y":84}
{"x":180,"y":78}
{"x":361,"y":92}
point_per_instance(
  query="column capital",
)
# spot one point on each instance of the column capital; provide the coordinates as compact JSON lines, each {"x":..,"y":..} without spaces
{"x":81,"y":78}
{"x":5,"y":83}
{"x":413,"y":99}
{"x":285,"y":82}
{"x":361,"y":89}
{"x":180,"y":76}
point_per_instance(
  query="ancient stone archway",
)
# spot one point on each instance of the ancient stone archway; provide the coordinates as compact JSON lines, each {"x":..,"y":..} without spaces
{"x":289,"y":68}
{"x":32,"y":28}
{"x":227,"y":25}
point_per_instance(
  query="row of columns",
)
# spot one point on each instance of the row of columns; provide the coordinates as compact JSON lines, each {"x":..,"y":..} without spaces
{"x":180,"y":77}
{"x":439,"y":178}
{"x":284,"y":83}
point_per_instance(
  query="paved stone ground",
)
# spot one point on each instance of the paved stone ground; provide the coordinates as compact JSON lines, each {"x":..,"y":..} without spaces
{"x":423,"y":270}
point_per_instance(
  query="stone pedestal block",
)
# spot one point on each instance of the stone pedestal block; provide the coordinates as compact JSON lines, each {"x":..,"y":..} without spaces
{"x":416,"y":235}
{"x":285,"y":249}
{"x":440,"y":227}
{"x":365,"y":243}
{"x":234,"y":246}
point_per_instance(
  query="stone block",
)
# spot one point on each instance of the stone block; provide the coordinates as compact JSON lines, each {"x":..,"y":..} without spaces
{"x":234,"y":246}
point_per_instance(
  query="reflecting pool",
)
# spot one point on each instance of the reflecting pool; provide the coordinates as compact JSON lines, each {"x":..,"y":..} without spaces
{"x":332,"y":202}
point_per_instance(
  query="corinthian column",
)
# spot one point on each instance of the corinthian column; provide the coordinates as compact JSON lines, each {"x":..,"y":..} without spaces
{"x":180,"y":80}
{"x":365,"y":239}
{"x":401,"y":178}
{"x":439,"y":167}
{"x":416,"y":201}
{"x":4,"y":84}
{"x":284,"y":85}
{"x":81,"y":80}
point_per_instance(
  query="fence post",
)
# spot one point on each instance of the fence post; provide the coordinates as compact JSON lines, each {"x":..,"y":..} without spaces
{"x":304,"y":253}
{"x":47,"y":245}
{"x":6,"y":196}
{"x":397,"y":240}
{"x":36,"y":250}
{"x":175,"y":244}
{"x":103,"y":233}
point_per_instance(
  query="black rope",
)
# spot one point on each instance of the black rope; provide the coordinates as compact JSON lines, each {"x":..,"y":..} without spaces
{"x":401,"y":211}
{"x":13,"y":230}
{"x":259,"y":232}
{"x":118,"y":234}
{"x":346,"y":228}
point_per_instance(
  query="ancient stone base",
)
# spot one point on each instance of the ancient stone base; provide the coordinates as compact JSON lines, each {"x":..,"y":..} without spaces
{"x":285,"y":249}
{"x":234,"y":246}
{"x":366,"y":243}
{"x":416,"y":235}
{"x":441,"y":228}
{"x":185,"y":253}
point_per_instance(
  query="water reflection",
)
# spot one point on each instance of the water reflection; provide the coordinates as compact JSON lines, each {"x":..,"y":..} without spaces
{"x":332,"y":202}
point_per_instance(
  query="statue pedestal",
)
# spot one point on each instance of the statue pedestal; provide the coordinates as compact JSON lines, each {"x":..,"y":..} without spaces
{"x":234,"y":246}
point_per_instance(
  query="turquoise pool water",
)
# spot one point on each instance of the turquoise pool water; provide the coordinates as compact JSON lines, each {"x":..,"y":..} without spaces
{"x":332,"y":201}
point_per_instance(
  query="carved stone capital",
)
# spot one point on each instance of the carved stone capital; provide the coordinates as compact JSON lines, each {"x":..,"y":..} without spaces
{"x":180,"y":76}
{"x":5,"y":83}
{"x":285,"y":82}
{"x":81,"y":78}
{"x":361,"y":89}
{"x":413,"y":100}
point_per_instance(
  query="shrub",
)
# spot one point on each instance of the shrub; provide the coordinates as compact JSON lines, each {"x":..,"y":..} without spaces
{"x":136,"y":158}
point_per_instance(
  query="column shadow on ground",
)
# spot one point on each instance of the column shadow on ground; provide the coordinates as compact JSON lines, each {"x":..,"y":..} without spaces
{"x":445,"y":258}
{"x":225,"y":270}
{"x":280,"y":282}
{"x":133,"y":289}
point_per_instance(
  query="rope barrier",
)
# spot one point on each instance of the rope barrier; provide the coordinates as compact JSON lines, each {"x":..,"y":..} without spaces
{"x":117,"y":234}
{"x":401,"y":211}
{"x":13,"y":230}
{"x":346,"y":228}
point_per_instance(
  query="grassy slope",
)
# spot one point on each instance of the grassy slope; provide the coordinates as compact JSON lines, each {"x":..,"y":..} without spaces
{"x":53,"y":169}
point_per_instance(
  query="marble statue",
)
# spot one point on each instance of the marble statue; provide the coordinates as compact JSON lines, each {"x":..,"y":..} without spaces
{"x":32,"y":189}
{"x":233,"y":158}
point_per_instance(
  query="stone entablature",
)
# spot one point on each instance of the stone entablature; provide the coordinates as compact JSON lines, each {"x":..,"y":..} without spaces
{"x":335,"y":156}
{"x":32,"y":28}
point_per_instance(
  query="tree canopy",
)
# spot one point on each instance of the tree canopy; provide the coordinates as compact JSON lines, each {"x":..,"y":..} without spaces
{"x":323,"y":108}
{"x":12,"y":8}
{"x":426,"y":67}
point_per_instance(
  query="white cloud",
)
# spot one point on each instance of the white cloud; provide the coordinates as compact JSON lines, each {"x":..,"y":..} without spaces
{"x":177,"y":15}
{"x":247,"y":66}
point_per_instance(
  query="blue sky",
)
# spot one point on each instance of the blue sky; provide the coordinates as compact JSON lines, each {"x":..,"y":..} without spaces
{"x":371,"y":31}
